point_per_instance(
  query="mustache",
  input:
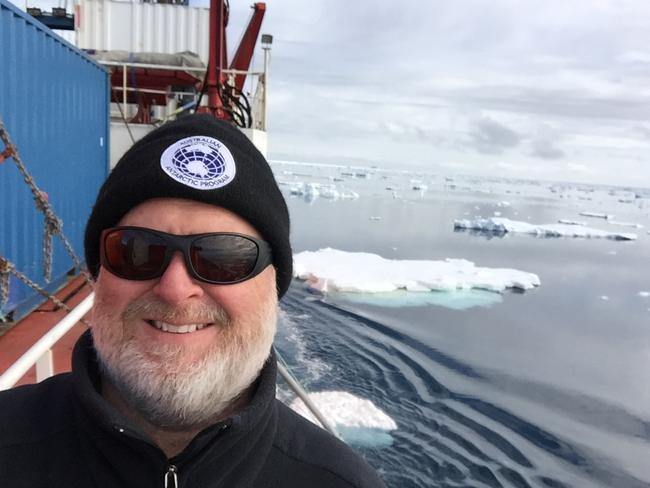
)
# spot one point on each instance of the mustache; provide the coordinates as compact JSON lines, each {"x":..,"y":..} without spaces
{"x":192,"y":313}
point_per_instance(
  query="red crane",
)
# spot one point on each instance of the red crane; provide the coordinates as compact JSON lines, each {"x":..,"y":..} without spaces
{"x":224,"y":93}
{"x":223,"y":96}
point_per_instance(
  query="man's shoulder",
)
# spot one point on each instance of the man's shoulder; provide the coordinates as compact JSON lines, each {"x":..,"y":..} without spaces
{"x":311,"y":450}
{"x":32,"y":413}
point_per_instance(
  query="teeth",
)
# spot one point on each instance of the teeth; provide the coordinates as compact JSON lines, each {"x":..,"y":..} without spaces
{"x":177,"y":329}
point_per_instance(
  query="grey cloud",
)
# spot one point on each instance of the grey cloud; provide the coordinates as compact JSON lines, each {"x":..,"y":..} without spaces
{"x":407,"y":132}
{"x":545,"y":149}
{"x":491,"y":137}
{"x":642,"y":131}
{"x":561,"y":103}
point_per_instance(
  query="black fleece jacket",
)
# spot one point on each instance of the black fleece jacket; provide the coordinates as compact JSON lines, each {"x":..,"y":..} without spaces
{"x":61,"y":433}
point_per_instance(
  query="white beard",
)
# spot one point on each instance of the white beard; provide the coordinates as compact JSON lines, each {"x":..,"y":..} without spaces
{"x":157,"y":379}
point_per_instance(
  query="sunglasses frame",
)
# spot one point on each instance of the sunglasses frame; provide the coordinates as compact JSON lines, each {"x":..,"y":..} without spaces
{"x":183,"y":243}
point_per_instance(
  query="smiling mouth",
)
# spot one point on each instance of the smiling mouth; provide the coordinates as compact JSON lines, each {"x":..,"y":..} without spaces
{"x":176,"y":329}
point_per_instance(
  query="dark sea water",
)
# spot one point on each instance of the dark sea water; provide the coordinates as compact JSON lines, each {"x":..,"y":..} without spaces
{"x":546,"y":388}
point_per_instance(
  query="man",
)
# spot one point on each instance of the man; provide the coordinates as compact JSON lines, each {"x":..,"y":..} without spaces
{"x":174,"y":384}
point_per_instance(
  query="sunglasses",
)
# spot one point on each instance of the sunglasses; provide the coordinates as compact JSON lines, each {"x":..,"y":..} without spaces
{"x":137,"y":253}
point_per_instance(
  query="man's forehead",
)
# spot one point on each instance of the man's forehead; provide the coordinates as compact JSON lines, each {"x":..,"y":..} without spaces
{"x":182,"y":216}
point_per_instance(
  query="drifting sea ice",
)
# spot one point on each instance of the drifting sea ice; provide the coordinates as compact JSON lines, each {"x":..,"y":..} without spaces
{"x":333,"y":270}
{"x":502,"y":226}
{"x":311,"y":191}
{"x":572,"y":222}
{"x":358,"y":420}
{"x":625,"y":224}
{"x":597,"y":215}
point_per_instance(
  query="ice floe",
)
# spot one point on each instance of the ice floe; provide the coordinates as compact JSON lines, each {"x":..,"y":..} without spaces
{"x":356,"y":419}
{"x":625,"y":224}
{"x":597,"y":215}
{"x":501,"y":226}
{"x":454,"y":300}
{"x":333,"y":270}
{"x":644,"y":294}
{"x":572,"y":222}
{"x":311,"y":191}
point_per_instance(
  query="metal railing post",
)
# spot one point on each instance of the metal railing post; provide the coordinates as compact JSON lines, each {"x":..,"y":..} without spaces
{"x":34,"y":354}
{"x":302,"y":394}
{"x":44,"y":366}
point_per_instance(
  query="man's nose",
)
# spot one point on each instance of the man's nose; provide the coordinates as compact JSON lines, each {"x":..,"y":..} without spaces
{"x":176,"y":285}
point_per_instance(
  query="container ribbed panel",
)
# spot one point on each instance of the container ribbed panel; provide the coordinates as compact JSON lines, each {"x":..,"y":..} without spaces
{"x":54,"y":104}
{"x":143,"y":27}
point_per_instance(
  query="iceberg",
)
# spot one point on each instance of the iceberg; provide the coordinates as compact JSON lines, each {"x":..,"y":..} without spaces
{"x":356,"y":419}
{"x":358,"y":272}
{"x":503,"y":226}
{"x":572,"y":222}
{"x":597,"y":215}
{"x":311,"y":191}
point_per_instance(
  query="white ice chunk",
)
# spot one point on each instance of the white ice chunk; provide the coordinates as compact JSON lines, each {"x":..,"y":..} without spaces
{"x":597,"y":215}
{"x":625,"y":224}
{"x":644,"y":294}
{"x":503,"y":204}
{"x":329,"y":191}
{"x":333,"y":270}
{"x":311,"y":191}
{"x":305,"y":189}
{"x":572,"y":222}
{"x":345,"y":409}
{"x":502,"y":225}
{"x":455,"y":299}
{"x":348,"y":195}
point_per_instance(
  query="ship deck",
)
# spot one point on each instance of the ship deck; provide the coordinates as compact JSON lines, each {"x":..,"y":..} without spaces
{"x":25,"y":333}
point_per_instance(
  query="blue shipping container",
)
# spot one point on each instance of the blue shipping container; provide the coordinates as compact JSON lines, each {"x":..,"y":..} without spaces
{"x":54,"y":102}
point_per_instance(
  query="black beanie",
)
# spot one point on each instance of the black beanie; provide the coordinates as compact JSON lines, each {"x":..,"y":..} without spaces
{"x":196,"y":157}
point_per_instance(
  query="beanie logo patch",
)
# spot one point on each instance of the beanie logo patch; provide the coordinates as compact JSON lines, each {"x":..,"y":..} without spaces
{"x":199,"y":162}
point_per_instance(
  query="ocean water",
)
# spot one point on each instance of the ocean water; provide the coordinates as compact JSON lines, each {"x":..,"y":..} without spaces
{"x":544,"y":388}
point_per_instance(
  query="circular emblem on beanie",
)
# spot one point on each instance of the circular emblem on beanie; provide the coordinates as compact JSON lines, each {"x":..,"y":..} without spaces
{"x":199,"y":162}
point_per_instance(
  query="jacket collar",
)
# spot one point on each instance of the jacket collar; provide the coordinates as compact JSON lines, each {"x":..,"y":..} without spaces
{"x":104,"y":428}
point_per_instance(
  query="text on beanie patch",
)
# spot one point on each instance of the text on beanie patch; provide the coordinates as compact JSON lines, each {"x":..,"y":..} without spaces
{"x":199,"y":162}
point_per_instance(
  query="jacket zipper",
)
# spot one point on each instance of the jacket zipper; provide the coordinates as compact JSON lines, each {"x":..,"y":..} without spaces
{"x":171,"y":477}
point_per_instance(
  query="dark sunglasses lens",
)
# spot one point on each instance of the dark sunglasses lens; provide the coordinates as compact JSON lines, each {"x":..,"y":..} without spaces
{"x":134,"y":254}
{"x":223,"y":258}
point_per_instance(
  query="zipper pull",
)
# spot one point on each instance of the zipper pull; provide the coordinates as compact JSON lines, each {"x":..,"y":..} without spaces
{"x":171,"y":477}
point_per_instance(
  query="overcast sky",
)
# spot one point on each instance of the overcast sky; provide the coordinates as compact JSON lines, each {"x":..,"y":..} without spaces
{"x":556,"y":90}
{"x":552,"y":90}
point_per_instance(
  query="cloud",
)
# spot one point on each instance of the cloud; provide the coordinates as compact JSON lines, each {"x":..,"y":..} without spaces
{"x":351,"y":80}
{"x":491,"y":137}
{"x":545,"y":149}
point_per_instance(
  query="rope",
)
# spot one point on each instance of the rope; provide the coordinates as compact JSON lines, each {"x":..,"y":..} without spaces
{"x":6,"y":268}
{"x":52,"y":226}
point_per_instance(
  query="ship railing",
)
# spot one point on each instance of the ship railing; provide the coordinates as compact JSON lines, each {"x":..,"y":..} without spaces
{"x":259,"y":94}
{"x":40,"y":355}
